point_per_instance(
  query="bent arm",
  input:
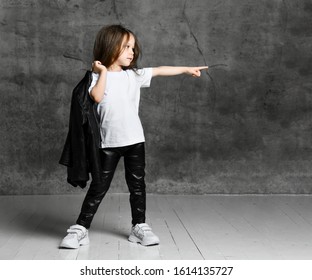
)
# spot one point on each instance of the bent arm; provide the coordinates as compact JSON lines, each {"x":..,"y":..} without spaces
{"x":97,"y":92}
{"x":177,"y":70}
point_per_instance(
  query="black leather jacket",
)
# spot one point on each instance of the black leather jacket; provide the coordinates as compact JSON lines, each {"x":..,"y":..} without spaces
{"x":81,"y":150}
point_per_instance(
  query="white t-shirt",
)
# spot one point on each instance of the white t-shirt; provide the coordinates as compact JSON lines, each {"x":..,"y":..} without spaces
{"x":119,"y":108}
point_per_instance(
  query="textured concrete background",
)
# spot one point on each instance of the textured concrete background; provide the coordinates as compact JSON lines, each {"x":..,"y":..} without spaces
{"x":244,"y":127}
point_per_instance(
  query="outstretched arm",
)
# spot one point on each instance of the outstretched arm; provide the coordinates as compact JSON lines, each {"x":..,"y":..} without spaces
{"x":177,"y":70}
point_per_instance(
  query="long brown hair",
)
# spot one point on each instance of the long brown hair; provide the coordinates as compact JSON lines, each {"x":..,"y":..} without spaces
{"x":108,"y":45}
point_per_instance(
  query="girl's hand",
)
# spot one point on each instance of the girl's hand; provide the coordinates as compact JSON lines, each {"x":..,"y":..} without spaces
{"x":195,"y":71}
{"x":97,"y":67}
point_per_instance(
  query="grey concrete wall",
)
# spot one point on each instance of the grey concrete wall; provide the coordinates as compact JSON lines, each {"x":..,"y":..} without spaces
{"x":244,"y":127}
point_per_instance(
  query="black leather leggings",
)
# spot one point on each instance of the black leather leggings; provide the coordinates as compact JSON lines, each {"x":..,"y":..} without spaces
{"x":134,"y":162}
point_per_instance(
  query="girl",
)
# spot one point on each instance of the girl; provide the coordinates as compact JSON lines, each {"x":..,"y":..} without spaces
{"x":115,"y":86}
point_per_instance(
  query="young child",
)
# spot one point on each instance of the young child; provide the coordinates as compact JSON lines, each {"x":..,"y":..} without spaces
{"x":115,"y":87}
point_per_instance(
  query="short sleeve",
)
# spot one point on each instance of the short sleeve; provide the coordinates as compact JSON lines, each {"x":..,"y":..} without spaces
{"x":144,"y":76}
{"x":95,"y":77}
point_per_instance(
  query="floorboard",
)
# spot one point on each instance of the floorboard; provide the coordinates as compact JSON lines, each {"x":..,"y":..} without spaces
{"x":190,"y":227}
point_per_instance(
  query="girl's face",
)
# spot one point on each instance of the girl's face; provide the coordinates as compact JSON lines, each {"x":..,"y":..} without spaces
{"x":127,"y":52}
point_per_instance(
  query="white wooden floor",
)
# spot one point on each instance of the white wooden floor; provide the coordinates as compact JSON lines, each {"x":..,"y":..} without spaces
{"x":189,"y":227}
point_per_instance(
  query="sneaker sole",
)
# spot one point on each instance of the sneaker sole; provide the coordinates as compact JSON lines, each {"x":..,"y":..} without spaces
{"x":134,"y":239}
{"x":82,"y":242}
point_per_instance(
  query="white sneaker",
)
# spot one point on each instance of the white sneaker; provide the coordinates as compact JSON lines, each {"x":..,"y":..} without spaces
{"x":142,"y":233}
{"x":77,"y":236}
